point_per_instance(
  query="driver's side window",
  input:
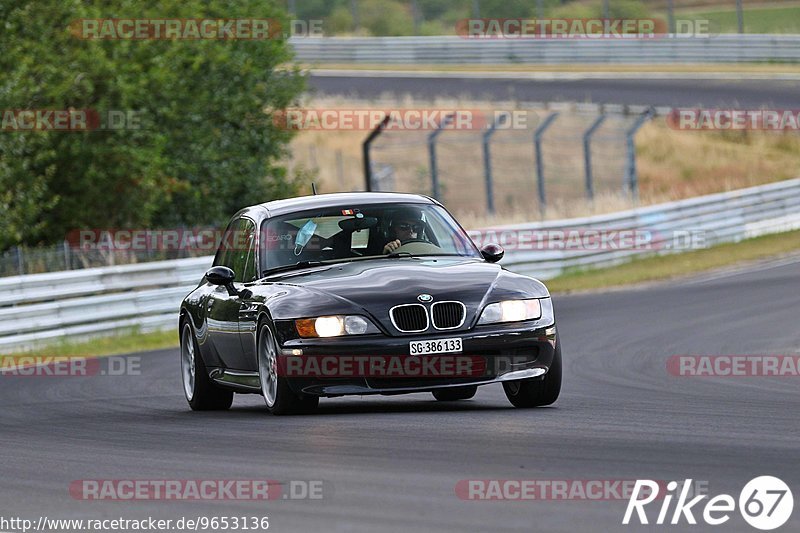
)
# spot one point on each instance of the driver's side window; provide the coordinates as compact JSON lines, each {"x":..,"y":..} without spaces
{"x":226,"y":246}
{"x":237,"y":249}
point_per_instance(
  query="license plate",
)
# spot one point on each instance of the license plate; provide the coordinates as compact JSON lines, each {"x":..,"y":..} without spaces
{"x":452,"y":345}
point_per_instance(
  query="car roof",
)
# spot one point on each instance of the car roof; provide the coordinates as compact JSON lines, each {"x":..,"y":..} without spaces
{"x":345,"y":199}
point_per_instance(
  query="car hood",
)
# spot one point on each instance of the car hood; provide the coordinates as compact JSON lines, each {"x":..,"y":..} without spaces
{"x":372,"y":287}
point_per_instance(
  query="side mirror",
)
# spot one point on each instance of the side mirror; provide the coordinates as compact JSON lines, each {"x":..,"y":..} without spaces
{"x":492,"y":253}
{"x":220,"y":275}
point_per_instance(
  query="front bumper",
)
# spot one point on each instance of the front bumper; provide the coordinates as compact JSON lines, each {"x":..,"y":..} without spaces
{"x":491,"y":354}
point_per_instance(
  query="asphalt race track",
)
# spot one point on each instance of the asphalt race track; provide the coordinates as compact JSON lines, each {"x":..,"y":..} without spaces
{"x":392,"y":463}
{"x":659,"y":92}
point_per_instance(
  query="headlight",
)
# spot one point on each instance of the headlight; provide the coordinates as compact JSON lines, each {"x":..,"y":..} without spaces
{"x":334,"y":326}
{"x":511,"y":311}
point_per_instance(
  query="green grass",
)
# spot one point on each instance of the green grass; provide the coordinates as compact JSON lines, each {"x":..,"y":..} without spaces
{"x":123,"y":342}
{"x":657,"y":268}
{"x":756,"y":20}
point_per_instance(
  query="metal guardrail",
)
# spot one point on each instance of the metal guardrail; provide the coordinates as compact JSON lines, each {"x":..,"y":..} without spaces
{"x":724,"y":48}
{"x":46,"y":307}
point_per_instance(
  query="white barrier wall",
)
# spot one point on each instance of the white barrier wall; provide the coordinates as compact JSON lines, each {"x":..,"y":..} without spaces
{"x":725,"y":48}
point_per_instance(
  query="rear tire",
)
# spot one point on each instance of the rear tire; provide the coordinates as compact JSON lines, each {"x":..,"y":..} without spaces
{"x":452,"y":394}
{"x":278,"y":396}
{"x":200,"y":392}
{"x":535,"y":392}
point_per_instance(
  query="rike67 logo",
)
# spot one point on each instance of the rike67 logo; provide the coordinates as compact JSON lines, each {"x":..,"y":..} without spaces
{"x":765,"y":503}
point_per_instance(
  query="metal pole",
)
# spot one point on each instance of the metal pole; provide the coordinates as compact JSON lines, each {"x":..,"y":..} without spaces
{"x":476,"y":9}
{"x":587,"y":155}
{"x":605,"y":9}
{"x":740,"y":15}
{"x":432,"y":155}
{"x":632,"y":180}
{"x":365,"y":150}
{"x":671,"y":15}
{"x":354,"y":14}
{"x":487,"y":161}
{"x":415,"y":16}
{"x":292,"y":8}
{"x":539,"y":9}
{"x":20,"y":264}
{"x":537,"y":141}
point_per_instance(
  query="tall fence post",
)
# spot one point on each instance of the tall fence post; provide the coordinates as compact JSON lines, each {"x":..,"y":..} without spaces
{"x":537,"y":142}
{"x":432,"y":155}
{"x":632,"y":180}
{"x":739,"y":16}
{"x":487,"y":161}
{"x":587,"y":155}
{"x":365,"y":150}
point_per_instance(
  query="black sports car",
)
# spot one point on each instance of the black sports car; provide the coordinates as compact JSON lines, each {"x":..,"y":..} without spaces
{"x":362,"y":293}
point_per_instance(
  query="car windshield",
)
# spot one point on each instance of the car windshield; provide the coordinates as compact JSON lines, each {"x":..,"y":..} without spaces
{"x":361,"y":231}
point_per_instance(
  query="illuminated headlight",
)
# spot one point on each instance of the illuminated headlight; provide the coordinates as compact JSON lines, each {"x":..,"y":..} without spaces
{"x":511,"y":311}
{"x":334,"y":326}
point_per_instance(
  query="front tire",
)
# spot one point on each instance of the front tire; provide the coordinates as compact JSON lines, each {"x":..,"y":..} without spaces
{"x":200,"y":392}
{"x":280,"y":399}
{"x":525,"y":393}
{"x":453,"y":394}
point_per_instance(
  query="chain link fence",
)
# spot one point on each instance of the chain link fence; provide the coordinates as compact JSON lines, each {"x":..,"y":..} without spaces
{"x":564,"y":158}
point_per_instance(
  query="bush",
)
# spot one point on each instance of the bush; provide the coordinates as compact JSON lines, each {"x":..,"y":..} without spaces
{"x":205,"y":146}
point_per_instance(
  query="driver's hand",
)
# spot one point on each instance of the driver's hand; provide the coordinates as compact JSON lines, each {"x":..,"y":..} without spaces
{"x":391,"y":246}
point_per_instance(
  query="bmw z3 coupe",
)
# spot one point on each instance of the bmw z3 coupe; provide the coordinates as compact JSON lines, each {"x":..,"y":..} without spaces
{"x":357,"y":294}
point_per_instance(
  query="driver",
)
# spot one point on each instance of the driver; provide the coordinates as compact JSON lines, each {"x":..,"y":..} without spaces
{"x":406,"y":225}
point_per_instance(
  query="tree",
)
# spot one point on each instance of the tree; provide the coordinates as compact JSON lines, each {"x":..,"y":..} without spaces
{"x":205,"y":144}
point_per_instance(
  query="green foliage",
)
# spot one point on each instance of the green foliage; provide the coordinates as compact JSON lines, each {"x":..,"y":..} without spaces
{"x":205,"y":145}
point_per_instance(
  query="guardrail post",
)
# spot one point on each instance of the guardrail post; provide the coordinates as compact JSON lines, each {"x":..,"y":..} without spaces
{"x":537,"y":143}
{"x":487,"y":161}
{"x":365,"y":150}
{"x":432,"y":154}
{"x":631,"y":178}
{"x":587,"y":155}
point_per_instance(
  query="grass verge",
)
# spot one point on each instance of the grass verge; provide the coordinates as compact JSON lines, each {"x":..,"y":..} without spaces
{"x":664,"y":267}
{"x":124,"y":342}
{"x":756,"y":20}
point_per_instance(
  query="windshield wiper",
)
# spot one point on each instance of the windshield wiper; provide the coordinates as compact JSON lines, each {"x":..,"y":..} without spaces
{"x":400,"y":254}
{"x":295,"y":266}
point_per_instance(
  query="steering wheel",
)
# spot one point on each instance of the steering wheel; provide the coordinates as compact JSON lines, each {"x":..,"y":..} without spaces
{"x":418,"y":246}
